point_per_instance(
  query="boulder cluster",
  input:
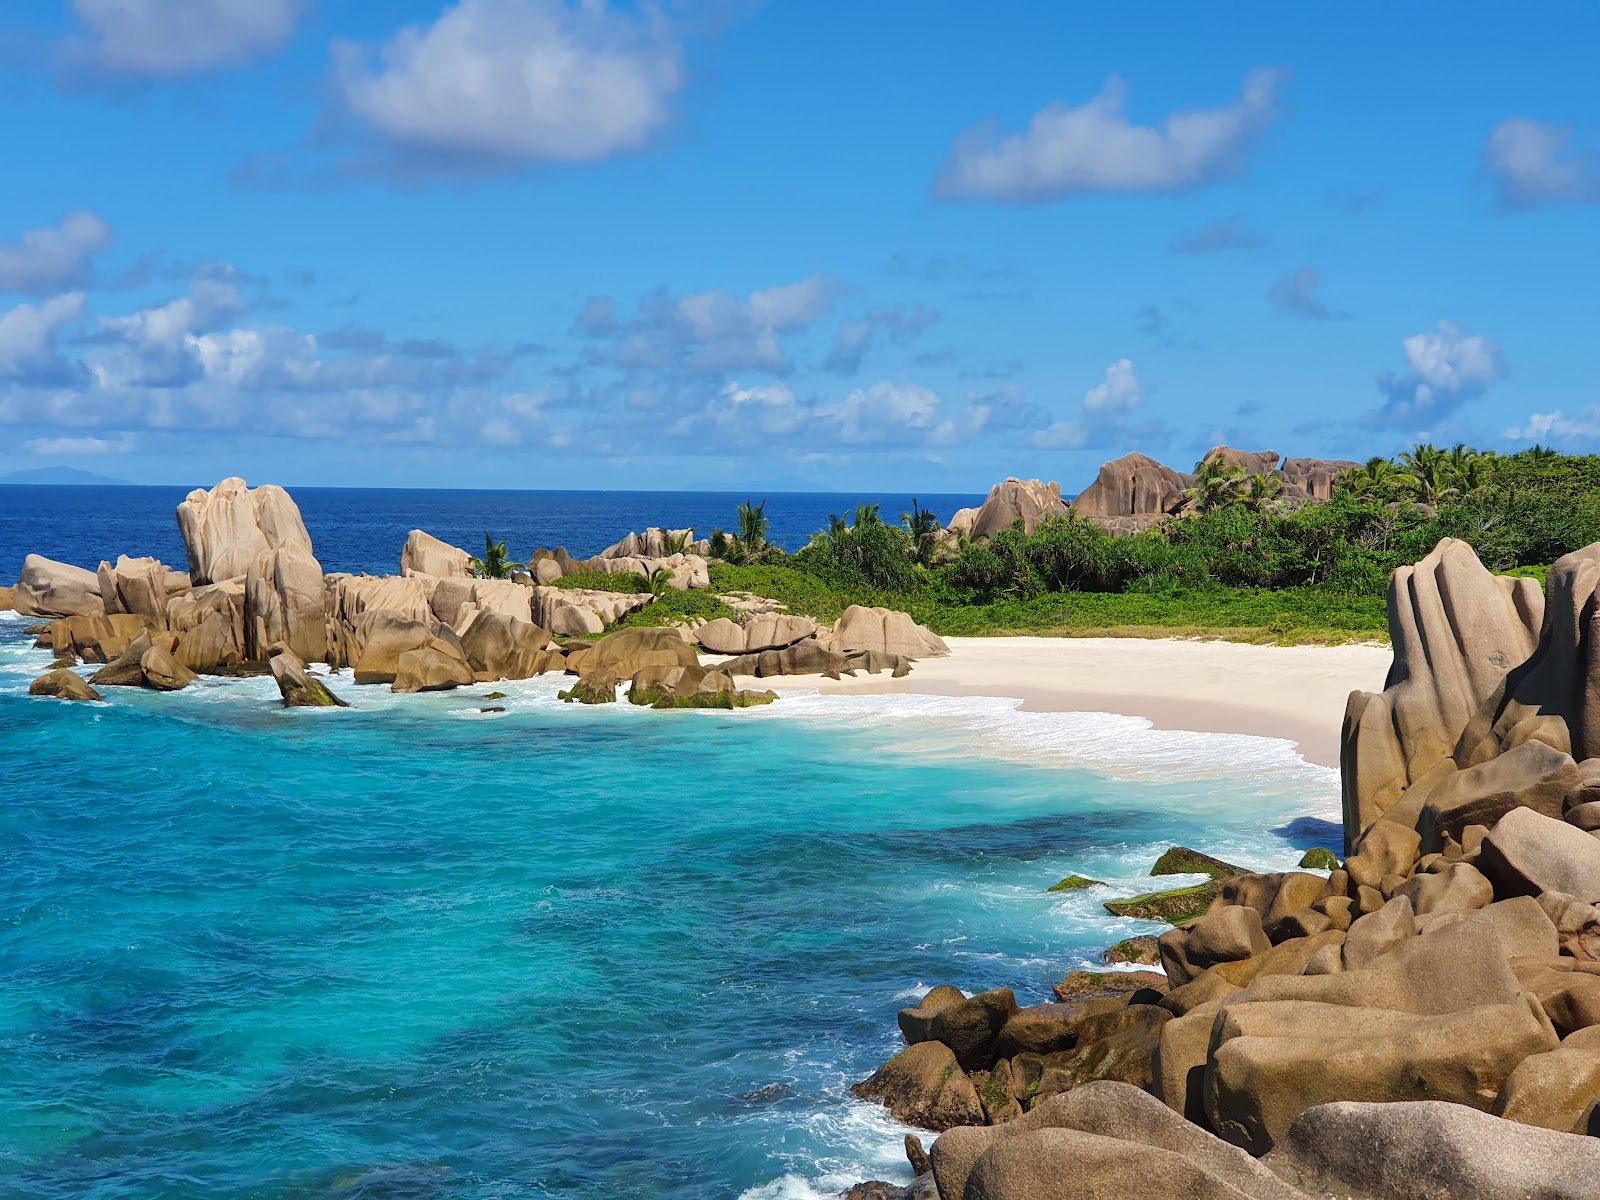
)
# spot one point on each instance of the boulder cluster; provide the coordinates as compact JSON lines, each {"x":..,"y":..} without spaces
{"x":255,"y":600}
{"x":1421,"y":1019}
{"x":1135,"y":492}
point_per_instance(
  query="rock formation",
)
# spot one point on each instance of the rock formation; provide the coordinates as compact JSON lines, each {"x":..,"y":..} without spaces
{"x":1014,"y":500}
{"x":773,"y":631}
{"x":140,"y":587}
{"x":284,"y":603}
{"x":54,"y":589}
{"x":298,"y":688}
{"x":1134,"y":486}
{"x":884,"y":631}
{"x":425,"y":554}
{"x":228,"y":528}
{"x":62,"y":684}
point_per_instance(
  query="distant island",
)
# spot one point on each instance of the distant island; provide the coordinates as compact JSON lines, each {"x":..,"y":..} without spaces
{"x":59,"y":476}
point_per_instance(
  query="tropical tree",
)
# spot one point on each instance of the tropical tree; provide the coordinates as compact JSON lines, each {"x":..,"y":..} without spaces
{"x":924,"y":527}
{"x":718,"y":544}
{"x":1262,"y":490}
{"x":752,"y":528}
{"x":494,"y":564}
{"x":1430,"y":468}
{"x":675,"y":543}
{"x":867,"y":514}
{"x":1378,"y":480}
{"x":1217,"y":484}
{"x":660,"y":581}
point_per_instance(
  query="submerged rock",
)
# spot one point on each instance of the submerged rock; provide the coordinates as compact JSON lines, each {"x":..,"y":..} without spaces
{"x":1074,"y":883}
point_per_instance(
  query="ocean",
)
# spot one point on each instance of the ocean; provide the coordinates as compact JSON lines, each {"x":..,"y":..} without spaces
{"x":415,"y":950}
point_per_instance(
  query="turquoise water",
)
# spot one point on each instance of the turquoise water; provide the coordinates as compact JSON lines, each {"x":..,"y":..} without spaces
{"x":414,"y":950}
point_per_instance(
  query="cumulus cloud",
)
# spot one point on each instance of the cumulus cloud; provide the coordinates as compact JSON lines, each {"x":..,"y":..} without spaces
{"x":1295,"y":295}
{"x":44,"y":261}
{"x":1067,"y":151}
{"x":1445,"y":369}
{"x":1557,"y":426}
{"x":887,"y":411}
{"x":164,"y":38}
{"x":1537,"y":162}
{"x":515,"y":82}
{"x":1106,"y":408}
{"x":1230,"y":234}
{"x":853,"y":339}
{"x":28,"y":353}
{"x":739,"y":414}
{"x":706,"y":333}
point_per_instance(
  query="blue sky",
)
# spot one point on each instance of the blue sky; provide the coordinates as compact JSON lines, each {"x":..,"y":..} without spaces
{"x":528,"y":243}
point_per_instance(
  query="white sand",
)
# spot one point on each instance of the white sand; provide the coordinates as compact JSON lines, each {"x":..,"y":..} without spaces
{"x":1293,"y":692}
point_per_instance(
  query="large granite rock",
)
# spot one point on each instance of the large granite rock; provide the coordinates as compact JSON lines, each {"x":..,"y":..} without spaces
{"x":923,"y":1085}
{"x":425,"y":554}
{"x":1528,"y":853}
{"x":1532,"y":775}
{"x":1134,"y":486}
{"x":885,"y":631}
{"x":429,"y":669}
{"x":771,"y":631}
{"x":1315,"y":478}
{"x":228,"y":528}
{"x":298,"y":688}
{"x":385,"y":637}
{"x":1028,"y":501}
{"x":1557,"y":1089}
{"x":1457,"y":631}
{"x":63,"y":684}
{"x":1431,"y":1150}
{"x":503,"y":647}
{"x":284,"y":604}
{"x":575,"y":612}
{"x":139,"y":587}
{"x":48,"y":588}
{"x":656,"y":542}
{"x":623,"y":654}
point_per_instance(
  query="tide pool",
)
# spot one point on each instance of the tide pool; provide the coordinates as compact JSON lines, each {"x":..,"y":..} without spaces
{"x":415,"y":950}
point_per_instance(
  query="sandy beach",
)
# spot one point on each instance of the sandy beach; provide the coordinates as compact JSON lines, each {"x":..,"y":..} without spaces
{"x":1293,"y":692}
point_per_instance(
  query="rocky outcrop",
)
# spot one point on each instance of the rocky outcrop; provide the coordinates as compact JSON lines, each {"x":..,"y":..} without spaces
{"x":429,"y":669}
{"x":503,"y":647}
{"x":384,"y":637}
{"x":8,"y":599}
{"x":684,"y":571}
{"x":228,"y":528}
{"x":299,"y":688}
{"x":141,"y":587}
{"x":63,"y":684}
{"x":1134,"y":485}
{"x":884,"y":631}
{"x":924,"y":1086}
{"x":575,"y":612}
{"x":1314,"y":478}
{"x":656,"y":542}
{"x":48,"y":588}
{"x":284,"y":604}
{"x":771,"y":632}
{"x":691,"y":687}
{"x":425,"y":554}
{"x":1458,"y":631}
{"x":94,"y":639}
{"x":623,"y":654}
{"x":1028,"y":501}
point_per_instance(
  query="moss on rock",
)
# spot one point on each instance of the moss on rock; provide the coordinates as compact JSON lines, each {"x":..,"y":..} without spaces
{"x":1074,"y":883}
{"x":1174,"y":907}
{"x":1143,"y":950}
{"x":1320,"y":858}
{"x":1180,"y":860}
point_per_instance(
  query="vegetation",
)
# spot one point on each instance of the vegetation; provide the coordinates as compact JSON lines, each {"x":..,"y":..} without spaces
{"x":495,"y":564}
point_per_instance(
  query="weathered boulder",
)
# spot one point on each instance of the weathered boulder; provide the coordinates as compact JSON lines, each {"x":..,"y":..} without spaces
{"x":1090,"y":985}
{"x":1527,"y":853}
{"x":1567,"y":991}
{"x":656,"y":542}
{"x":1387,"y":848}
{"x":207,"y":648}
{"x":503,"y":596}
{"x":1028,"y":501}
{"x":63,"y":684}
{"x":971,"y":1028}
{"x":503,"y":647}
{"x":1102,"y":1141}
{"x":916,"y":1024}
{"x":8,"y":599}
{"x":1460,"y":887}
{"x":429,"y":669}
{"x":1533,"y":775}
{"x":138,"y":587}
{"x":595,"y":687}
{"x":94,"y":638}
{"x":298,"y":688}
{"x":1180,"y":860}
{"x":1431,"y":1150}
{"x":1118,"y":1045}
{"x":574,"y":612}
{"x":1315,"y":478}
{"x":284,"y":604}
{"x":923,"y":1085}
{"x":1226,"y":934}
{"x":162,"y":672}
{"x":228,"y":528}
{"x":886,"y":631}
{"x":1133,"y":486}
{"x":1049,"y":1028}
{"x":1557,"y":1089}
{"x":48,"y":588}
{"x":124,"y":670}
{"x":628,"y":651}
{"x":773,"y":631}
{"x":691,"y":687}
{"x":384,"y":637}
{"x":425,"y":554}
{"x":1577,"y":924}
{"x":1457,"y":631}
{"x":809,"y":656}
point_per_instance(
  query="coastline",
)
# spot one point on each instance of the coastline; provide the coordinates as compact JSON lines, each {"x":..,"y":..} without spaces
{"x":1294,"y":693}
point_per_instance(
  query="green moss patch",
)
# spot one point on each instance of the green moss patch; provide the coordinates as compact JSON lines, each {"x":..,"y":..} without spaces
{"x":1180,"y":860}
{"x":1074,"y":883}
{"x":1174,"y":907}
{"x":1320,"y":858}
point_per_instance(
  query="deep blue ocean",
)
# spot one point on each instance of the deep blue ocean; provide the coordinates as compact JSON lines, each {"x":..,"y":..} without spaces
{"x":412,"y":951}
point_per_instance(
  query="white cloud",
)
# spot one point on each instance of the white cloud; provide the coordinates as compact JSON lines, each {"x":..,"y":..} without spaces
{"x":156,"y":38}
{"x":1095,"y":148}
{"x":53,"y":447}
{"x":1556,"y":426}
{"x":41,"y":261}
{"x":517,"y":81}
{"x":1106,"y":407}
{"x":738,"y":414}
{"x":1536,"y":162}
{"x":1445,"y":368}
{"x":887,"y":411}
{"x":28,"y":353}
{"x":1295,"y":295}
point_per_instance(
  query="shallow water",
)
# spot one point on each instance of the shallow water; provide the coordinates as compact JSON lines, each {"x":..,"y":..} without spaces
{"x":415,"y":950}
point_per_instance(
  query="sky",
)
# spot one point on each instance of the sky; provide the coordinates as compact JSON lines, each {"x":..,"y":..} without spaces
{"x":793,"y":245}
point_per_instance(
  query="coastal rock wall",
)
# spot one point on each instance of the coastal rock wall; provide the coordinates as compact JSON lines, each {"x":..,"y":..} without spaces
{"x":48,"y":588}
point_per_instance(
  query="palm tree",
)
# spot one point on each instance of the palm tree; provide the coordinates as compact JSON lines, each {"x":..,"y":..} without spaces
{"x":494,"y":564}
{"x":1477,"y":473}
{"x":752,"y":527}
{"x":1429,"y":466}
{"x":1217,"y":484}
{"x":1378,"y":480}
{"x":675,"y":543}
{"x":867,"y":514}
{"x":1262,"y":491}
{"x":924,"y":527}
{"x":660,"y":581}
